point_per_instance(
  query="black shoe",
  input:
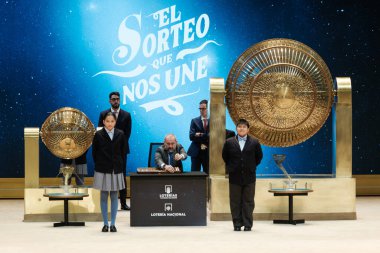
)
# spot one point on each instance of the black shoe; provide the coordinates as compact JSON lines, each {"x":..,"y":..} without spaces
{"x":113,"y":228}
{"x":125,"y":207}
{"x":247,"y":229}
{"x":105,"y":228}
{"x":237,"y":228}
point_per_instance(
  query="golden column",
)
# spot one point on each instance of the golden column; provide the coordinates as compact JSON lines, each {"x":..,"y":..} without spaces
{"x":217,"y":126}
{"x":343,"y":128}
{"x":32,"y":162}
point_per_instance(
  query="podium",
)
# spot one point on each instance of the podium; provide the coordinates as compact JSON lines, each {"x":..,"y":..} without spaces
{"x":168,"y":199}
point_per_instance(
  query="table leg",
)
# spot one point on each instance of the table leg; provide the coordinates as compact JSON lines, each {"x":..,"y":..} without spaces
{"x":290,"y":207}
{"x":290,"y":220}
{"x":66,"y":211}
{"x":66,"y":217}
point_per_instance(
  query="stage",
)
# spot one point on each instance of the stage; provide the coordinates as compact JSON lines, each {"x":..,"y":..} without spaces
{"x":361,"y":235}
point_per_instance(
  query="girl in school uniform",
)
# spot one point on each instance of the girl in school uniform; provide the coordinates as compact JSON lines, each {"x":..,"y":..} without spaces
{"x":108,"y":152}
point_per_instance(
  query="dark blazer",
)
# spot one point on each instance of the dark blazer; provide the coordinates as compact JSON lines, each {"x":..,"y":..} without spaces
{"x":162,"y":156}
{"x":196,"y":126}
{"x":124,"y":123}
{"x":241,"y":165}
{"x":109,"y":155}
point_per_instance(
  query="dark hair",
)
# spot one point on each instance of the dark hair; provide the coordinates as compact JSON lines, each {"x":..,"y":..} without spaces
{"x":114,"y":93}
{"x":242,"y":122}
{"x":109,"y":114}
{"x":204,"y":101}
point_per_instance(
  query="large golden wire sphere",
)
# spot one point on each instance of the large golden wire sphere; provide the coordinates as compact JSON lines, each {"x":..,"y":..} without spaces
{"x":67,"y":133}
{"x":283,"y":88}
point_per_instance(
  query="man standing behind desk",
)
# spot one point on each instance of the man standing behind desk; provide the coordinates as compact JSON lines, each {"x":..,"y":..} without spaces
{"x":242,"y":154}
{"x":199,"y":135}
{"x":169,"y":156}
{"x":124,"y":123}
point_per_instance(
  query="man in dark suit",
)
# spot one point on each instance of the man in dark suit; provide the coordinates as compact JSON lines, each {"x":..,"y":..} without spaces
{"x":242,"y":154}
{"x":124,"y":123}
{"x":199,"y":135}
{"x":169,"y":156}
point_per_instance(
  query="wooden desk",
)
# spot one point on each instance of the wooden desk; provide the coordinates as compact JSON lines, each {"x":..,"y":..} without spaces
{"x":290,"y":193}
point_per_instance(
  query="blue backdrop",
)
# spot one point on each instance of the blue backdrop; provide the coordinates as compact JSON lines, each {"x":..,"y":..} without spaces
{"x":160,"y":55}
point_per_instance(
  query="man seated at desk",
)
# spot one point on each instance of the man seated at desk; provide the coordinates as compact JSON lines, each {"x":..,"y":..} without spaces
{"x":169,"y":156}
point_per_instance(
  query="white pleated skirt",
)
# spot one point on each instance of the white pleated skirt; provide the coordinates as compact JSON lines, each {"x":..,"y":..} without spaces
{"x":108,"y":182}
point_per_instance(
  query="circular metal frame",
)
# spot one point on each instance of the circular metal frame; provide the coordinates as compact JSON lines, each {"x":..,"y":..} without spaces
{"x":283,"y":88}
{"x":67,"y":133}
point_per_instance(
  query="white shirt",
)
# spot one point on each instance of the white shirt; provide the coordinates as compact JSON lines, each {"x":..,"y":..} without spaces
{"x":202,"y":119}
{"x":116,"y":112}
{"x":242,"y":141}
{"x":110,"y":133}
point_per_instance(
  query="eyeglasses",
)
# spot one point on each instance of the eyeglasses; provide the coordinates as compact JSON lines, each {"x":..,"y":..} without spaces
{"x":202,"y":109}
{"x":115,"y":99}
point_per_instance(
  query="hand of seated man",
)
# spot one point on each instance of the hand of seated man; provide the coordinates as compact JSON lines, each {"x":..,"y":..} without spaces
{"x":169,"y":168}
{"x":178,"y":157}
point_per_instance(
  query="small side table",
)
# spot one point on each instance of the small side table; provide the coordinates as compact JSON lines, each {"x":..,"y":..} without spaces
{"x":290,"y":193}
{"x":66,"y":198}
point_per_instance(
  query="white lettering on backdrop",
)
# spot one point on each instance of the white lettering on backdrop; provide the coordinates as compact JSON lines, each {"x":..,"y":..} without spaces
{"x":157,"y":49}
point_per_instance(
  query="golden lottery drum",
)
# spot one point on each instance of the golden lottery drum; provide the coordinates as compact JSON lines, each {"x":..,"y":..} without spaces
{"x":67,"y":133}
{"x":283,"y":88}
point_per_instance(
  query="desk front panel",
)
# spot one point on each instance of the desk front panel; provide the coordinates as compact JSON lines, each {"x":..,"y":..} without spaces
{"x":168,"y":200}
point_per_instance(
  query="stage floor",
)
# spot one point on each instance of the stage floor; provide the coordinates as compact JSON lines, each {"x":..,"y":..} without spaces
{"x":361,"y":235}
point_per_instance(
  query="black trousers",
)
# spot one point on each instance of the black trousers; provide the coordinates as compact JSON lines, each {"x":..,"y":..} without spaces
{"x":123,"y":193}
{"x":201,"y":160}
{"x":242,"y":204}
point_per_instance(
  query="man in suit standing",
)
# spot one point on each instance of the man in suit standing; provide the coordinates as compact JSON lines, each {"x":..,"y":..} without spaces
{"x":124,"y":123}
{"x":199,"y":135}
{"x":242,"y":154}
{"x":169,"y":156}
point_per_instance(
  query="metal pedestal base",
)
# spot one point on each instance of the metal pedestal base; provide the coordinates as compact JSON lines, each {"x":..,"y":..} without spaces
{"x":66,"y":199}
{"x":293,"y":222}
{"x":64,"y":223}
{"x":290,"y":220}
{"x":66,"y":216}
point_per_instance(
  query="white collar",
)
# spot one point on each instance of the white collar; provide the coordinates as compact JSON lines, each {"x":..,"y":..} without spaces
{"x":118,"y":110}
{"x":112,"y":131}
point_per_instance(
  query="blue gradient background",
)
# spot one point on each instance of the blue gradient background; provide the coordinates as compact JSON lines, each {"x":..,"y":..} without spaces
{"x":50,"y":51}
